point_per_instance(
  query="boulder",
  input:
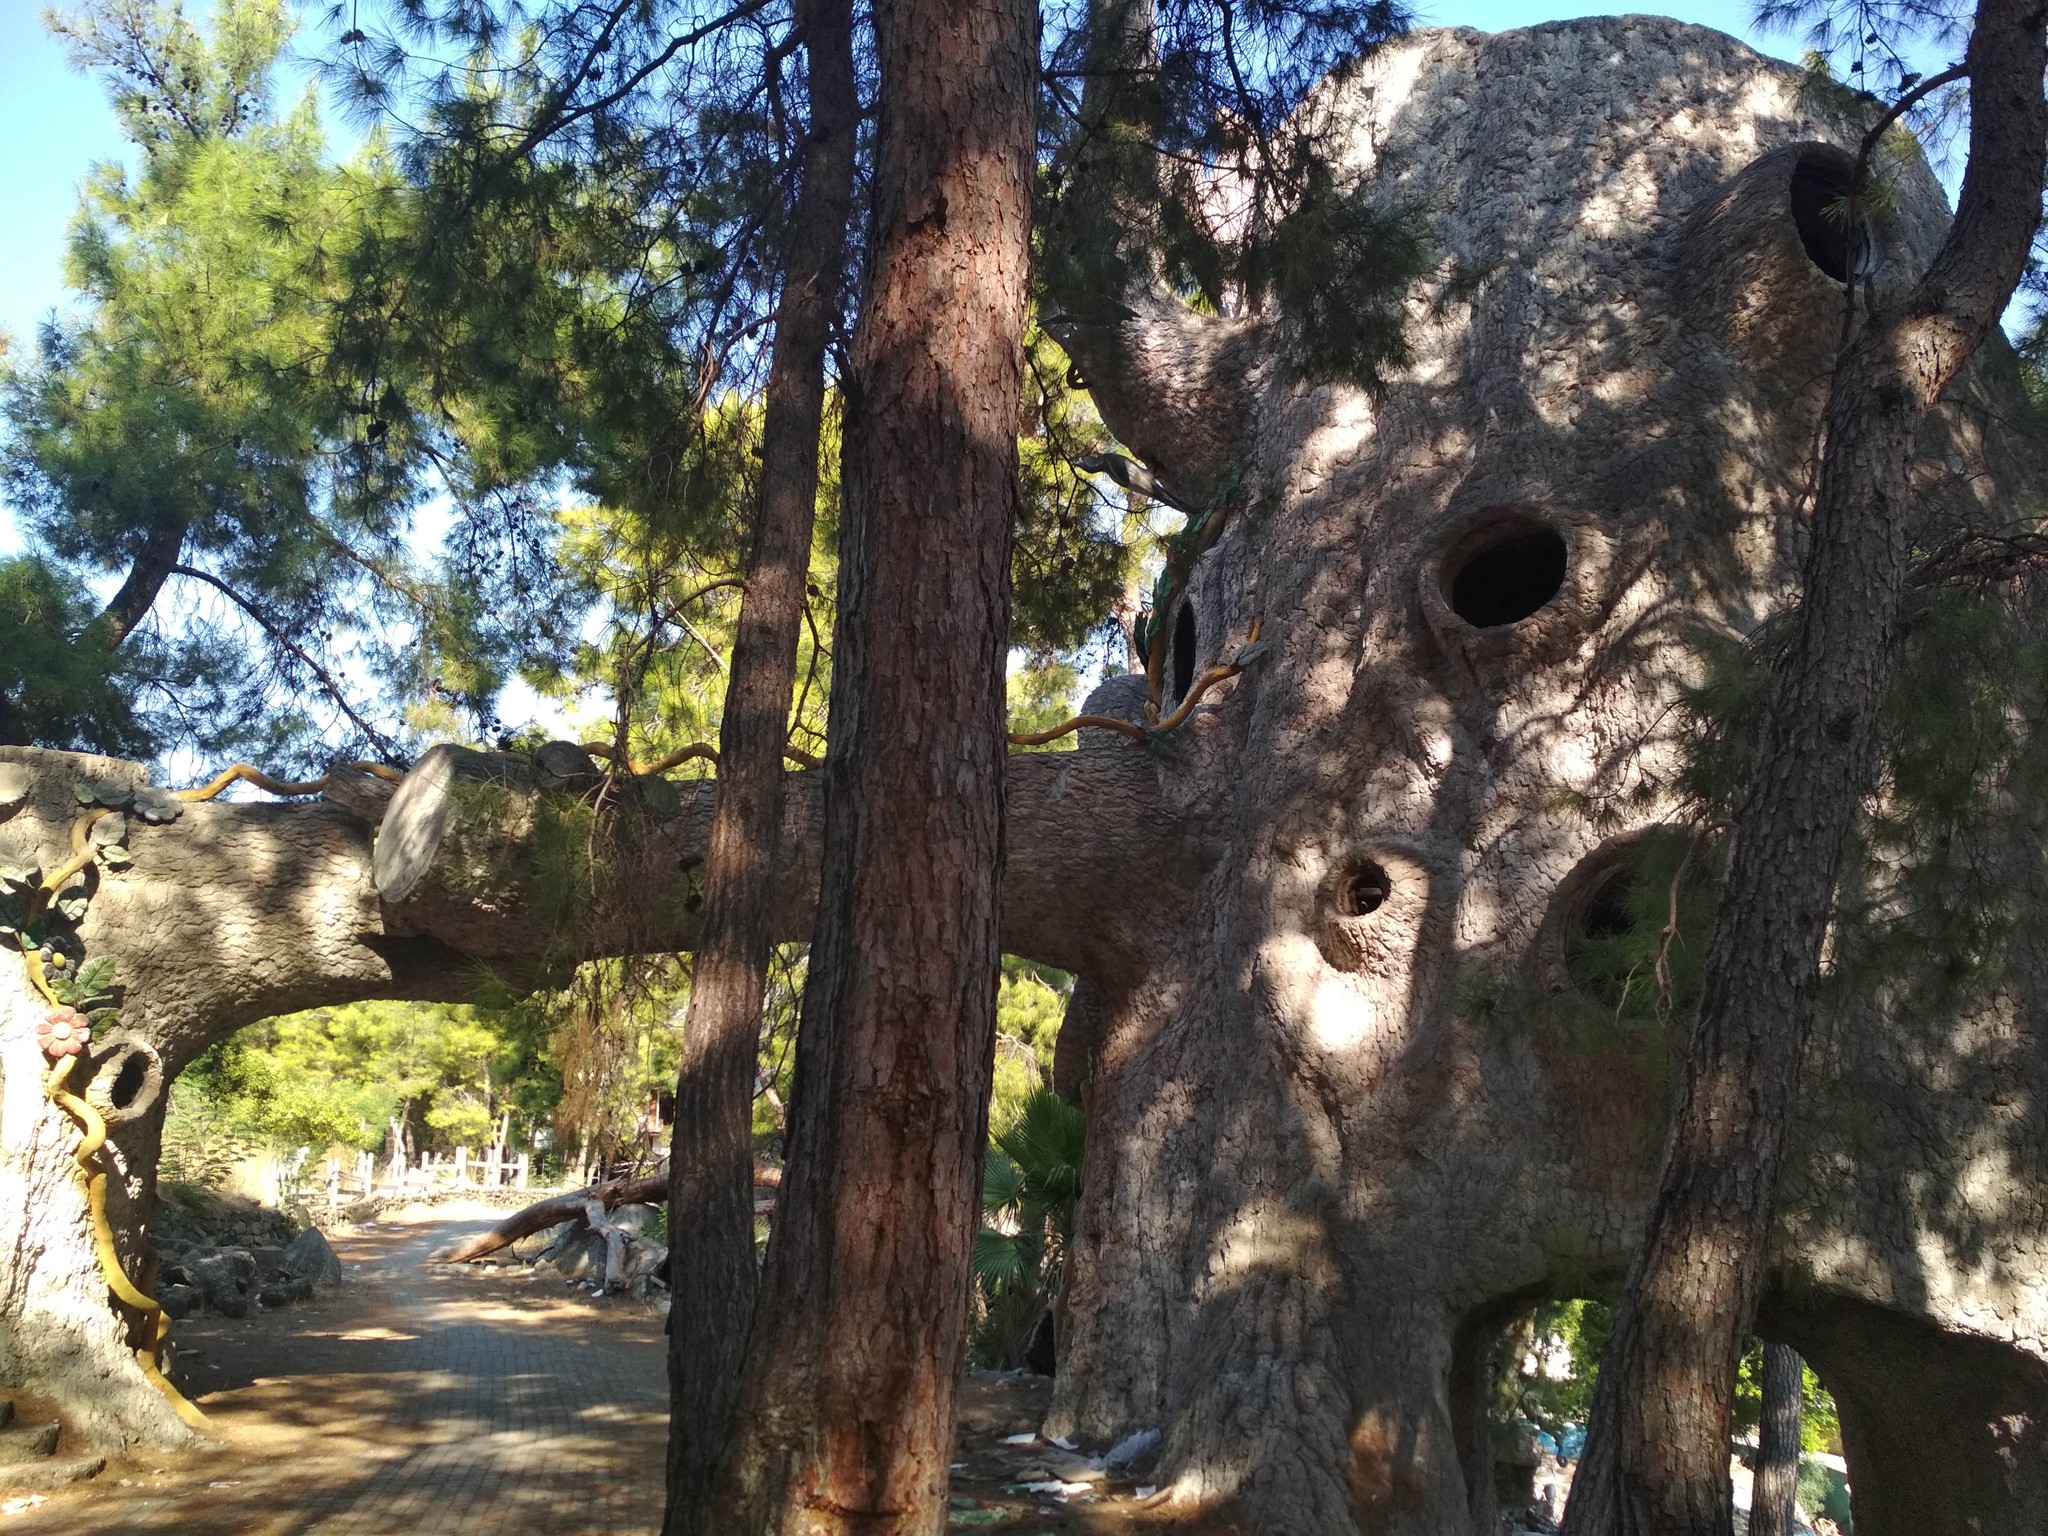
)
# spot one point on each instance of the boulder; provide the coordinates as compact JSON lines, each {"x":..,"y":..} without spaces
{"x":178,"y":1300}
{"x":578,"y":1254}
{"x":643,"y":1257}
{"x":226,"y":1279}
{"x":634,"y":1218}
{"x":308,"y":1257}
{"x":280,"y":1292}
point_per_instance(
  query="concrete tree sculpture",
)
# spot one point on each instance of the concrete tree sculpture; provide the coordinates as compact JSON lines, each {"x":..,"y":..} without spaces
{"x":1352,"y":1107}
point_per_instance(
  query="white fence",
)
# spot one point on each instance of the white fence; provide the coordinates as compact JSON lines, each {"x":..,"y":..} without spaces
{"x":432,"y":1173}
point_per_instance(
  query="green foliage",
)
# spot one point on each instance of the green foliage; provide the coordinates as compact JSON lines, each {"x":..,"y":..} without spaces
{"x":1932,"y":900}
{"x":1555,"y":1357}
{"x":1031,"y":1001}
{"x":614,"y":1037}
{"x":1820,"y":1425}
{"x":1550,"y":1359}
{"x":207,"y":413}
{"x":1205,"y":167}
{"x":1032,"y":1179}
{"x":1639,"y":947}
{"x":58,"y":688}
{"x":1338,"y":265}
{"x":1041,"y":696}
{"x":339,"y":1076}
{"x":782,"y":1010}
{"x":1031,"y":1184}
{"x":1067,"y":566}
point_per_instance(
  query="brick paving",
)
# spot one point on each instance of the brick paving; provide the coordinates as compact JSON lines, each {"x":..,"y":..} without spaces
{"x":413,"y":1400}
{"x":417,"y":1401}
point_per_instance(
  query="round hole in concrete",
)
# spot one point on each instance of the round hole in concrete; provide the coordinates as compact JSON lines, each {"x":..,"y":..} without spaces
{"x":1603,"y":949}
{"x":130,"y":1080}
{"x":1819,"y":199}
{"x":1508,"y":575}
{"x":1363,"y":890}
{"x":1609,"y":913}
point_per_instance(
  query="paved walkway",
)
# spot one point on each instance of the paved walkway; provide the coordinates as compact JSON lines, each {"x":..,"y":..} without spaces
{"x":428,"y":1402}
{"x":416,"y":1401}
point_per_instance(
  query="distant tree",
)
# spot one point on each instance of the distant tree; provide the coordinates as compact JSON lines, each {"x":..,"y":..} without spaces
{"x":188,"y":429}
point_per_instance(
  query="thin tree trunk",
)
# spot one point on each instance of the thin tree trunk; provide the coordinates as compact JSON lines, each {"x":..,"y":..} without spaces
{"x":846,"y":1413}
{"x":1656,"y":1459}
{"x":1777,"y":1447}
{"x":712,"y":1265}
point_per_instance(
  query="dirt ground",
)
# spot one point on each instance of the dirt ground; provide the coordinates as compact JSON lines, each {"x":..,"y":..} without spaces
{"x":444,"y":1401}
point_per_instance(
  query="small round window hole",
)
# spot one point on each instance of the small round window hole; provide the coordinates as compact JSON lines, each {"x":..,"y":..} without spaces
{"x":1509,"y":577}
{"x":1820,"y":211}
{"x":1363,"y":891}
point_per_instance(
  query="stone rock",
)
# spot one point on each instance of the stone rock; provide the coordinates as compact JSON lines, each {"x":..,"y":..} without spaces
{"x":269,"y":1258}
{"x":226,"y":1279}
{"x":533,"y":1248}
{"x":50,"y":1472}
{"x":1134,"y":1453}
{"x":178,"y":1299}
{"x":634,"y":1218}
{"x":563,"y":762}
{"x":643,"y":1257}
{"x":309,"y":1257}
{"x":29,"y":1443}
{"x":281,"y":1292}
{"x":578,"y":1254}
{"x":158,"y":807}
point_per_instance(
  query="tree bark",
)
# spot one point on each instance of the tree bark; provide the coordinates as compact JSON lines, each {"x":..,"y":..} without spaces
{"x":1777,"y":1444}
{"x":845,"y":1421}
{"x":130,"y":605}
{"x":712,"y":1265}
{"x":1656,"y":1456}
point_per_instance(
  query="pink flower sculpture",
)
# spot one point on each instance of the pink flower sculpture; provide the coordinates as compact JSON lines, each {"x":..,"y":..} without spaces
{"x":63,"y":1032}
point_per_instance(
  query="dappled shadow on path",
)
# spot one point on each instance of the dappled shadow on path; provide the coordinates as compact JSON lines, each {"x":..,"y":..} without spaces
{"x":414,"y":1399}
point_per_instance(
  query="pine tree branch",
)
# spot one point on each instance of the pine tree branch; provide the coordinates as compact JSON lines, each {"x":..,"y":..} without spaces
{"x":272,"y":628}
{"x":560,"y":116}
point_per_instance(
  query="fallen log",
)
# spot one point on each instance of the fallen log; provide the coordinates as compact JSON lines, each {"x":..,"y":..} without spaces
{"x":576,"y":1206}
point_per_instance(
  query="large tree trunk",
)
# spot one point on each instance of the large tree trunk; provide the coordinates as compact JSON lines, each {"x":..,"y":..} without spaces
{"x":1776,"y":1484}
{"x":59,"y":1335}
{"x":230,"y":913}
{"x":1656,"y":1458}
{"x":846,"y":1411}
{"x":712,"y":1265}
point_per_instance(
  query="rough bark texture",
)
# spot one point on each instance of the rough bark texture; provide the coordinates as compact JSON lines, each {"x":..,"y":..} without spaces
{"x":846,"y":1410}
{"x":1325,"y":1144}
{"x":712,"y":1265}
{"x":1776,"y":1484}
{"x":1656,"y":1453}
{"x":131,"y":603}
